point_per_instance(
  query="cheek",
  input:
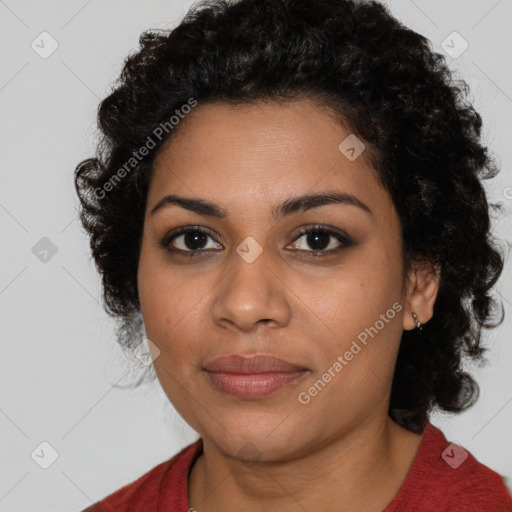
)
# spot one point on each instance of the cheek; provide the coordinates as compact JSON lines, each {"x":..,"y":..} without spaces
{"x":172,"y":307}
{"x":168,"y":313}
{"x":362,"y":289}
{"x":161,"y":302}
{"x":361,"y":306}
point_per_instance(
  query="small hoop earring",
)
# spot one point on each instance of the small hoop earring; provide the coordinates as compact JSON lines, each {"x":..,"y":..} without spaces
{"x":418,"y":323}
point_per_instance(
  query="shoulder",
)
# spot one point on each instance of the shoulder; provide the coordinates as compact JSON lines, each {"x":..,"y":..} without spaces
{"x":449,"y":477}
{"x":165,"y":482}
{"x":471,"y":482}
{"x":483,"y":490}
{"x":473,"y":486}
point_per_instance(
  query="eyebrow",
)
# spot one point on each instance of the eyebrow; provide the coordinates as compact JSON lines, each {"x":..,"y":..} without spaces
{"x":283,"y":209}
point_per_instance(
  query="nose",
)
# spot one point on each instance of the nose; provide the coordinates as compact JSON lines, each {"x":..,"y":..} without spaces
{"x":251,"y":294}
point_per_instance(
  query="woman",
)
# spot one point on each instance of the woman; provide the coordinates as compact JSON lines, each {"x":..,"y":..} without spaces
{"x":288,"y":193}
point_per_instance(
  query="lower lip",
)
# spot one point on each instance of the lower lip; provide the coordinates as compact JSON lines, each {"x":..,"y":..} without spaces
{"x":256,"y":385}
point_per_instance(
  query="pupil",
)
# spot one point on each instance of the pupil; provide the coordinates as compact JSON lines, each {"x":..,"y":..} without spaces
{"x":313,"y":240}
{"x":195,"y":238}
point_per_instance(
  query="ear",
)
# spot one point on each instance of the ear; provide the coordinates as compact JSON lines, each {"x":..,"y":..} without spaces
{"x":421,"y":293}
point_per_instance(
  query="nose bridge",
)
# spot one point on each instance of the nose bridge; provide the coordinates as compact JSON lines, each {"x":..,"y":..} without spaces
{"x":251,"y":291}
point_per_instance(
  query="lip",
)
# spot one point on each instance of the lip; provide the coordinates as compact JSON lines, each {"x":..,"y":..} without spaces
{"x":252,"y":364}
{"x":251,"y":377}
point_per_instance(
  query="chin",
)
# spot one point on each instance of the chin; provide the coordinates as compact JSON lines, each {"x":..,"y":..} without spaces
{"x":256,"y":439}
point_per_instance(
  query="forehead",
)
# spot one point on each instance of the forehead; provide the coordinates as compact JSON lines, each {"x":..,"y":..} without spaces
{"x":262,"y":151}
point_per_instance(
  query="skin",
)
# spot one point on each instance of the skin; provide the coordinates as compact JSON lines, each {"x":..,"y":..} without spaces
{"x":340,"y":451}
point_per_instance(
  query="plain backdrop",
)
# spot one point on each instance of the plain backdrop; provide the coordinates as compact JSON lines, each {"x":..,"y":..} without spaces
{"x":59,"y":359}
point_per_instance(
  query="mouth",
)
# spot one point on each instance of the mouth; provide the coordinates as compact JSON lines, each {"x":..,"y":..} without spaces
{"x":252,"y":377}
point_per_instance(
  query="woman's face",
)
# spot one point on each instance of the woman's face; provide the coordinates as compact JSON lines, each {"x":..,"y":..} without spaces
{"x":331,"y":307}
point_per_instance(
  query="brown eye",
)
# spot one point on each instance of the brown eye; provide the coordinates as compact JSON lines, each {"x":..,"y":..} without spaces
{"x":322,"y":240}
{"x":189,"y":240}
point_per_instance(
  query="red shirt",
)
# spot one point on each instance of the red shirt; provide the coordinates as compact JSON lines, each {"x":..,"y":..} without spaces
{"x":442,"y":478}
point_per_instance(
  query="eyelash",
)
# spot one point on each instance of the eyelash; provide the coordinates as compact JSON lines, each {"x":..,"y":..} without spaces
{"x":344,"y":240}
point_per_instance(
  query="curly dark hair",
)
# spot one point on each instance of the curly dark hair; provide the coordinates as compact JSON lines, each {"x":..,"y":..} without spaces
{"x":396,"y":94}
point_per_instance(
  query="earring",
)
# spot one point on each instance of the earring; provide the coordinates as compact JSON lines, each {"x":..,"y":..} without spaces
{"x":418,"y":323}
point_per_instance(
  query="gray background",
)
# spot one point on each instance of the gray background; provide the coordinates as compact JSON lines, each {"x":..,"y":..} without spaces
{"x":59,"y":359}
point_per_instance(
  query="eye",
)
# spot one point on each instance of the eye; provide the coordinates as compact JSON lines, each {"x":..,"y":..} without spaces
{"x":193,"y":241}
{"x":188,"y":241}
{"x":320,"y":239}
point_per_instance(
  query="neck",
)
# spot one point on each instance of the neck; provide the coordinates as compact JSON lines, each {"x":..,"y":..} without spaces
{"x":361,"y":470}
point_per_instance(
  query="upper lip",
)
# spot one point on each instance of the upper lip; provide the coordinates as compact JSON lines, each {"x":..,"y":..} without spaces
{"x":259,"y":363}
